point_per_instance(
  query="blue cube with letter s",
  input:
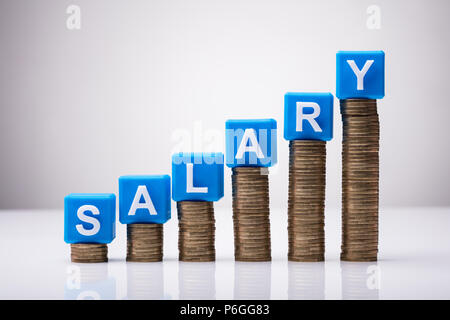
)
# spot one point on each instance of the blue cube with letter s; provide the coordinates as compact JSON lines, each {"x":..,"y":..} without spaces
{"x":89,"y":218}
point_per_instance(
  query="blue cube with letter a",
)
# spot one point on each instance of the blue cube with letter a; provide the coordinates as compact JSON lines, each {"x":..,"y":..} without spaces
{"x":197,"y":176}
{"x":360,"y":74}
{"x":89,"y":218}
{"x":251,"y":143}
{"x":308,"y":116}
{"x":144,"y":199}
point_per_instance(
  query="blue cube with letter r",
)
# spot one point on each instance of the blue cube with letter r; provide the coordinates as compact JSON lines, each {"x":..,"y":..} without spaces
{"x":197,"y":176}
{"x":308,"y":116}
{"x":251,"y":143}
{"x":360,"y":74}
{"x":144,"y":199}
{"x":89,"y":218}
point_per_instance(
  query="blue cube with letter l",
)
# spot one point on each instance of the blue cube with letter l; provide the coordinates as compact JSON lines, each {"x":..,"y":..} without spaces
{"x":251,"y":143}
{"x":308,"y":116}
{"x":89,"y":218}
{"x":360,"y":74}
{"x":197,"y":176}
{"x":144,"y":199}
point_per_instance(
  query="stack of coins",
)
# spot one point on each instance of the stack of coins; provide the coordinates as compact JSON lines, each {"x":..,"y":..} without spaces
{"x":89,"y":252}
{"x":196,"y":235}
{"x":144,"y":242}
{"x":306,"y":201}
{"x":360,"y":176}
{"x":251,"y":214}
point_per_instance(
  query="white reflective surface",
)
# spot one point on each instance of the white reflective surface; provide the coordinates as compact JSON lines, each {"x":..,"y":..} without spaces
{"x":414,"y":263}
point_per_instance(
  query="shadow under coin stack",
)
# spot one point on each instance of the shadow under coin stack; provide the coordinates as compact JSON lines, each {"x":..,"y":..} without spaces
{"x":308,"y":125}
{"x":145,"y":281}
{"x":360,"y":281}
{"x":252,"y":281}
{"x":144,"y":206}
{"x":89,"y":225}
{"x":360,"y":151}
{"x":306,"y":281}
{"x":197,"y":182}
{"x":197,"y":281}
{"x":246,"y":140}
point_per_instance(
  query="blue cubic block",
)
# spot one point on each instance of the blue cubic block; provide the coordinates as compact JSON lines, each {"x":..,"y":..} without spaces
{"x":197,"y":176}
{"x":251,"y":143}
{"x":308,"y":116}
{"x":89,"y":218}
{"x":360,"y":74}
{"x":144,"y":199}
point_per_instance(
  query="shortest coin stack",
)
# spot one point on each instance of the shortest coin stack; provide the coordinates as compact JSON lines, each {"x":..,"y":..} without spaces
{"x":144,"y":242}
{"x":196,"y":231}
{"x":89,"y":252}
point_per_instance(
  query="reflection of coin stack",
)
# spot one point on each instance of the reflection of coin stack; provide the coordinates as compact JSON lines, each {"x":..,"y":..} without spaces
{"x":306,"y":281}
{"x":197,"y":281}
{"x":88,"y":282}
{"x":252,"y":281}
{"x":307,"y":159}
{"x":359,"y":282}
{"x":360,"y":175}
{"x":251,"y":214}
{"x":144,"y":242}
{"x":145,"y":281}
{"x":89,"y":252}
{"x":93,"y":273}
{"x":196,"y":231}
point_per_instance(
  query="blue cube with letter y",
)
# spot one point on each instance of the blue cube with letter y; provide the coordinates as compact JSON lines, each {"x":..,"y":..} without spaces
{"x":360,"y":74}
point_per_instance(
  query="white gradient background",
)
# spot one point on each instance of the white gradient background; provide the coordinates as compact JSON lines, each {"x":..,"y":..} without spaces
{"x":80,"y":108}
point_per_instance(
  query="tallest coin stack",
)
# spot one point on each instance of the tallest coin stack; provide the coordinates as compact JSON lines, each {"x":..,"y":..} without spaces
{"x":360,"y":80}
{"x":360,"y":175}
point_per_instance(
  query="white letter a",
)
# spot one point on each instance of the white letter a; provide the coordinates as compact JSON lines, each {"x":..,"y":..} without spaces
{"x":148,"y":204}
{"x":249,"y":134}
